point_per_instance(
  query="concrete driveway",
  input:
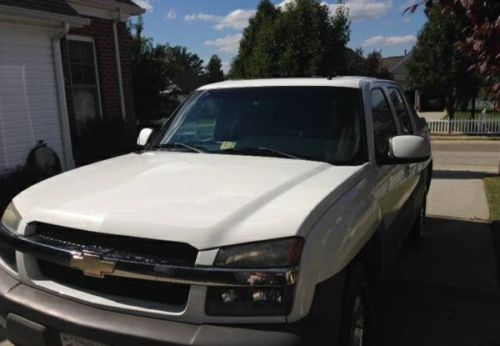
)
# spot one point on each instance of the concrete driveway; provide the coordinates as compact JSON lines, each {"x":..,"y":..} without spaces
{"x":446,"y":292}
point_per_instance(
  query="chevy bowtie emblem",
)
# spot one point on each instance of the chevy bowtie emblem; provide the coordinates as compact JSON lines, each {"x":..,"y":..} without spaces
{"x":92,"y":265}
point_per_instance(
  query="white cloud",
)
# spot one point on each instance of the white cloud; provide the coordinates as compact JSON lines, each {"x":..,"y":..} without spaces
{"x":358,"y":9}
{"x":407,"y":4}
{"x":236,"y":20}
{"x":226,"y":66}
{"x":228,"y":44}
{"x":284,"y":3}
{"x":171,"y":15}
{"x":389,"y":40}
{"x":363,"y":9}
{"x":201,"y":17}
{"x":145,"y":4}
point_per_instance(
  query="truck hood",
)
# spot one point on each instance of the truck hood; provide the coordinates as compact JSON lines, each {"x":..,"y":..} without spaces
{"x":205,"y":200}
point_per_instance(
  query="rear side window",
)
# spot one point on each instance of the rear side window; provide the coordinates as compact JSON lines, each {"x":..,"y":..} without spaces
{"x":383,"y":124}
{"x":401,"y":111}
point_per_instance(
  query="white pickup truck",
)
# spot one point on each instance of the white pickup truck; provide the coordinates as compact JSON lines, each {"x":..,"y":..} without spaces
{"x":262,"y":213}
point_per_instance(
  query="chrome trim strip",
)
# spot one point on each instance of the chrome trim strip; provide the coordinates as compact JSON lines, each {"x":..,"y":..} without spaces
{"x":134,"y":269}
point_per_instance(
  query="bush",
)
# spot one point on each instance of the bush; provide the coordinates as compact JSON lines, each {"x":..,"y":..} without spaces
{"x":13,"y":182}
{"x":103,"y":138}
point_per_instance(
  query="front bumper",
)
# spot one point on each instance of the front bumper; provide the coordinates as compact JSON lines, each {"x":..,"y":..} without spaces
{"x":34,"y":317}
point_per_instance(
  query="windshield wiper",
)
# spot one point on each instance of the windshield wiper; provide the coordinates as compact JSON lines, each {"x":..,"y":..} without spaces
{"x":274,"y":152}
{"x":184,"y":146}
{"x":279,"y":152}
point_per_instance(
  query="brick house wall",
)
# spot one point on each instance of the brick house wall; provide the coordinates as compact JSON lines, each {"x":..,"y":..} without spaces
{"x":128,"y":87}
{"x":101,"y":30}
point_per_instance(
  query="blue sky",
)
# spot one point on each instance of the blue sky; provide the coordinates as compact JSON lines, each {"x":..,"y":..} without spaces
{"x":209,"y":27}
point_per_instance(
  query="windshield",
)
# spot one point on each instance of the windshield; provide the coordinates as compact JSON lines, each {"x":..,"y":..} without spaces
{"x":314,"y":123}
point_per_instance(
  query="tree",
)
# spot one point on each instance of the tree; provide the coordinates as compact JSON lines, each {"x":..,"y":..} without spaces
{"x":149,"y":73}
{"x":161,"y":74}
{"x":257,"y":52}
{"x":185,"y":69}
{"x":480,"y":38}
{"x":437,"y":66}
{"x":374,"y":67}
{"x":370,"y":66}
{"x":355,"y":62}
{"x":214,"y":71}
{"x":301,"y":40}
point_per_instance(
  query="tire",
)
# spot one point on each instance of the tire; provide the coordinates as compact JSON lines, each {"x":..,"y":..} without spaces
{"x":417,"y":229}
{"x":355,"y":308}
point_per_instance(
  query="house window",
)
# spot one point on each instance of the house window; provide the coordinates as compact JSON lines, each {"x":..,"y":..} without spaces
{"x":84,"y":78}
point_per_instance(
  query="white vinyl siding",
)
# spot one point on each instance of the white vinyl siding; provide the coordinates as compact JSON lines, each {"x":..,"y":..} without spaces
{"x":28,"y":95}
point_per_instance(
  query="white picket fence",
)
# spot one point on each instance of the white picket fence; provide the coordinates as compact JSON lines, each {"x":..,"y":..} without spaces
{"x":474,"y":127}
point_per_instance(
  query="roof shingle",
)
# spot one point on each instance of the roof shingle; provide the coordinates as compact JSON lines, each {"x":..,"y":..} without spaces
{"x":128,"y":2}
{"x":53,"y":6}
{"x":391,"y":61}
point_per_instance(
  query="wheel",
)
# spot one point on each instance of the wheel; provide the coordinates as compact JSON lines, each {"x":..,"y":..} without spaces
{"x":417,"y":229}
{"x":353,"y":329}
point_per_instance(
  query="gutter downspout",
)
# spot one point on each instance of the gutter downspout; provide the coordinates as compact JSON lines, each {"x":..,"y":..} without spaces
{"x":69,"y":162}
{"x":119,"y":64}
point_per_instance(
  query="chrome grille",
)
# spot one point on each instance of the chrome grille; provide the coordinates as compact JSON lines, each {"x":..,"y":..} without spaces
{"x":125,"y":290}
{"x":116,"y":247}
{"x":125,"y":250}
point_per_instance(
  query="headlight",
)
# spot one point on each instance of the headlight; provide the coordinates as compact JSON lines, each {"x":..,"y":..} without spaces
{"x":11,"y":218}
{"x":271,"y":254}
{"x":239,"y":301}
{"x":255,"y":301}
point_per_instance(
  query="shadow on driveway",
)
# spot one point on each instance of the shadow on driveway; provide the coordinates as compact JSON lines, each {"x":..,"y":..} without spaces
{"x":445,"y":292}
{"x":460,"y":175}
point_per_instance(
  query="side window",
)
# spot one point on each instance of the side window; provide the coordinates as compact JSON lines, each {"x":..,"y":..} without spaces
{"x":401,"y":111}
{"x":383,"y":124}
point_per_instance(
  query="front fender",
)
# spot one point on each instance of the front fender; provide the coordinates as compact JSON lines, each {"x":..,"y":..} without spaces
{"x":333,"y":242}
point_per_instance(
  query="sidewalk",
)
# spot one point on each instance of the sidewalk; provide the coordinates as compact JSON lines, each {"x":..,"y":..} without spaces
{"x":431,"y":116}
{"x":459,"y":195}
{"x":457,"y":189}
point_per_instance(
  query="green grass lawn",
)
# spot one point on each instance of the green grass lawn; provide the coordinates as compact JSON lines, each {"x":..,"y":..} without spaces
{"x":459,"y":115}
{"x":492,"y":186}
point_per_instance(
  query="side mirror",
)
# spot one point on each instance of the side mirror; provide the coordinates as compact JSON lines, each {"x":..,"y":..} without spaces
{"x":143,"y":137}
{"x":409,"y":149}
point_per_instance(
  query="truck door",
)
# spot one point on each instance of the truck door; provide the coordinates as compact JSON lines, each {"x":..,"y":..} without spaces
{"x":388,"y":191}
{"x":407,"y":127}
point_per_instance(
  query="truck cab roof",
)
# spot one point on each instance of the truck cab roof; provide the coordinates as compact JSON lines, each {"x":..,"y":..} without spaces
{"x":355,"y":82}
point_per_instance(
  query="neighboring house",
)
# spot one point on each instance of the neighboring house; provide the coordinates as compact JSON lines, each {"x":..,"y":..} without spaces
{"x":61,"y":62}
{"x":397,"y":66}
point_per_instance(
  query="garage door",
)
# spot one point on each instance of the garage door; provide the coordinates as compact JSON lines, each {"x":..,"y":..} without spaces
{"x":28,"y":95}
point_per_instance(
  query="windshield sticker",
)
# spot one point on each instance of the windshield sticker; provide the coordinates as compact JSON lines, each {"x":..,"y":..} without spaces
{"x":227,"y":145}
